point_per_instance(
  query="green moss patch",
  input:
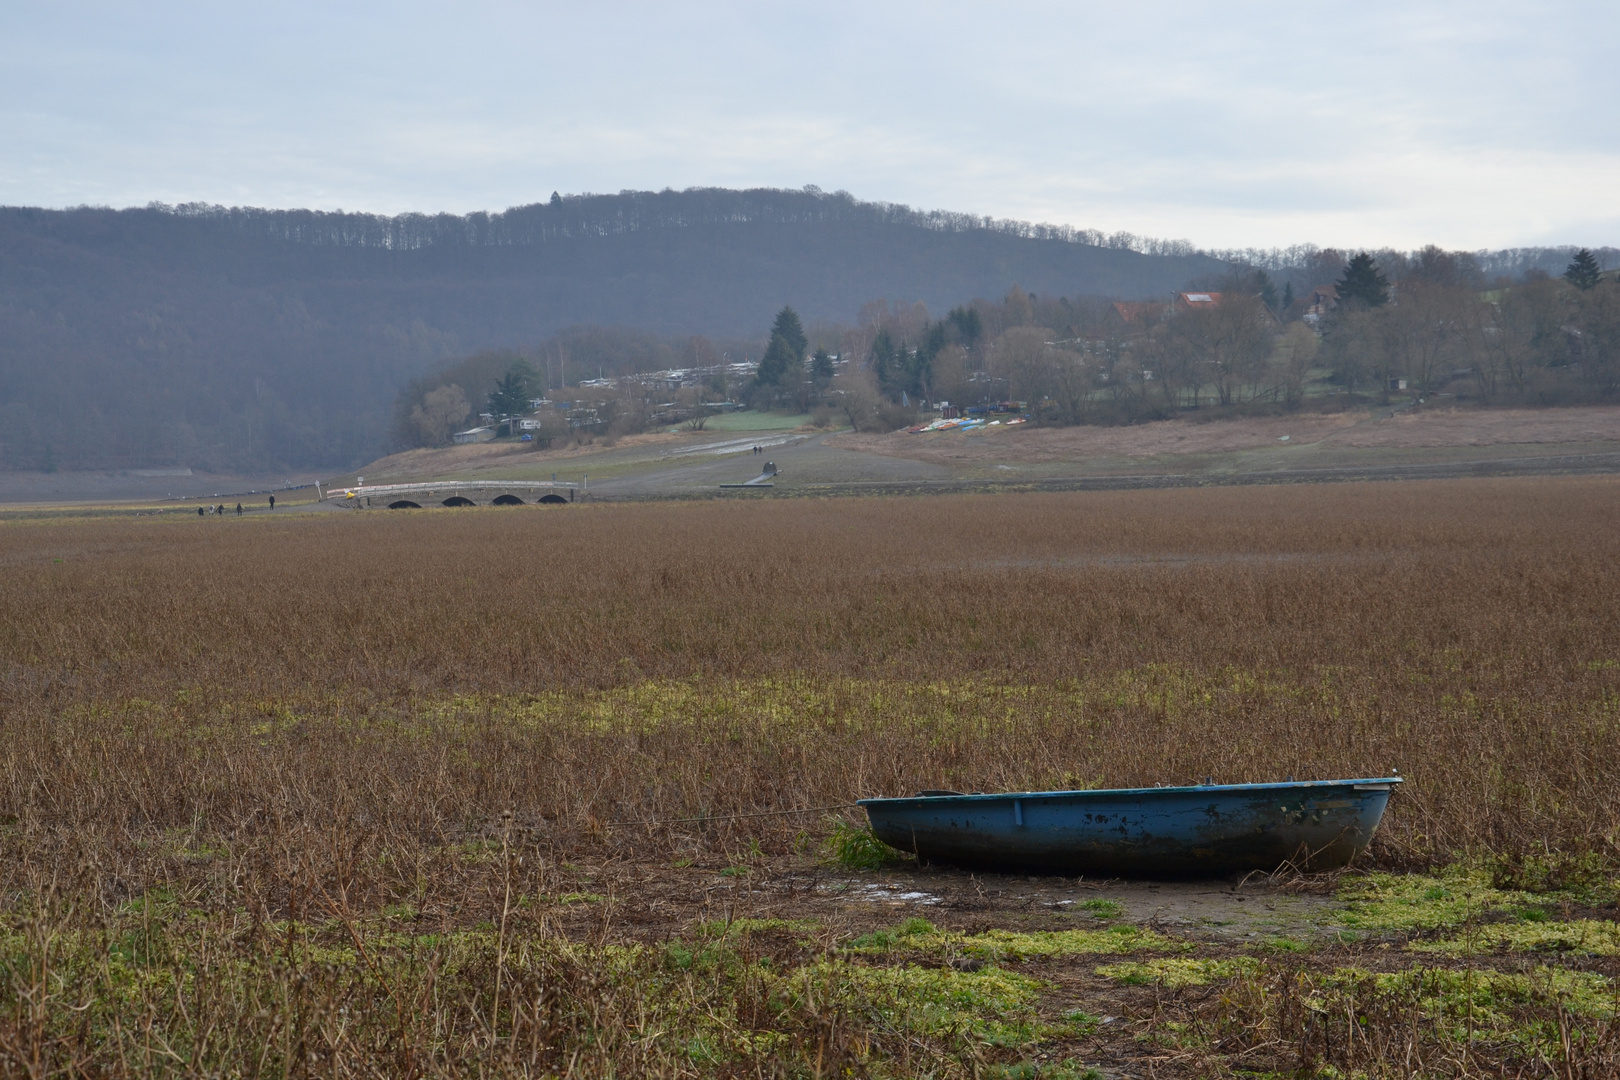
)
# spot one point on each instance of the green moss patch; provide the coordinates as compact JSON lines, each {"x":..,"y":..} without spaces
{"x":1178,"y":971}
{"x":1489,"y":1000}
{"x":1116,"y":940}
{"x":921,"y":938}
{"x":1580,"y":936}
{"x":1102,"y":909}
{"x":992,"y":1005}
{"x":1425,"y":901}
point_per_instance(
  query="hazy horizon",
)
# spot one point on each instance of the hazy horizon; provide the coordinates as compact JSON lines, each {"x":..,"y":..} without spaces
{"x":1470,"y":126}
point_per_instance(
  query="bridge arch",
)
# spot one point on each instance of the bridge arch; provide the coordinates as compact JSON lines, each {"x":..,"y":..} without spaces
{"x":553,"y":499}
{"x":453,"y":493}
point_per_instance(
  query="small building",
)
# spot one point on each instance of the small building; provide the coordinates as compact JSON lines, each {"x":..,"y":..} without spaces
{"x":1124,"y":313}
{"x":474,"y":435}
{"x":1319,"y":301}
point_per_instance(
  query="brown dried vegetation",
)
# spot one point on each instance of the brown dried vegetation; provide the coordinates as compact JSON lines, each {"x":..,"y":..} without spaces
{"x":336,"y":792}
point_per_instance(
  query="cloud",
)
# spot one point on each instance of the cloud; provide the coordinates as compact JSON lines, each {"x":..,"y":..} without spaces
{"x":1472,"y":125}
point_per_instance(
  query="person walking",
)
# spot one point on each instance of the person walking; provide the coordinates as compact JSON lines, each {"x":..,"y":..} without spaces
{"x":199,"y":511}
{"x":238,"y":509}
{"x":272,"y":502}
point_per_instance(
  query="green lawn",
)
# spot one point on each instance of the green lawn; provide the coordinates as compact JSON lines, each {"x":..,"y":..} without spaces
{"x":750,"y":420}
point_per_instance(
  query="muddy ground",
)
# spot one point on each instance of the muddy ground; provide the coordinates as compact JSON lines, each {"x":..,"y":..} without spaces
{"x":649,"y":903}
{"x":1139,"y":1020}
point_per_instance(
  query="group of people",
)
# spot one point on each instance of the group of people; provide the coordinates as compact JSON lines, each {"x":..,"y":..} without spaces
{"x":219,"y":511}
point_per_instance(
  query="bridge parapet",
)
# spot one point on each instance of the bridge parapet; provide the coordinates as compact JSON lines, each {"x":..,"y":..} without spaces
{"x":450,"y":493}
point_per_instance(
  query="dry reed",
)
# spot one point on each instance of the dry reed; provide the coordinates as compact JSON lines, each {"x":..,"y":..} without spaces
{"x":315,"y":719}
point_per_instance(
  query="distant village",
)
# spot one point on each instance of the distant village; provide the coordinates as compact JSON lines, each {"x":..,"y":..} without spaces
{"x":590,"y":409}
{"x":1434,"y":331}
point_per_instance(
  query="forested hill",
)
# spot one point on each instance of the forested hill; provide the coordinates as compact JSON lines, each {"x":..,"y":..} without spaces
{"x":253,"y":339}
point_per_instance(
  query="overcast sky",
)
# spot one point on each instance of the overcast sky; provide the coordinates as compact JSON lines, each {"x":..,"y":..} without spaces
{"x":1478,"y":124}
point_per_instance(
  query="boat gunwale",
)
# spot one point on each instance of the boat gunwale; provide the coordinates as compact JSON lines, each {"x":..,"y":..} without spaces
{"x":1099,"y":793}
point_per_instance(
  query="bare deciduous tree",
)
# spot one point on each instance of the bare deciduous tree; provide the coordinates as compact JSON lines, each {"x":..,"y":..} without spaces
{"x":857,"y":397}
{"x":1292,"y":360}
{"x":440,"y":415}
{"x":1228,"y":340}
{"x":952,"y":374}
{"x":1424,"y":331}
{"x":1599,"y":324}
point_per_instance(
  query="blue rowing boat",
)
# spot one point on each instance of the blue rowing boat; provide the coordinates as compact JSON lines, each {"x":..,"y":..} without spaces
{"x":1161,"y":832}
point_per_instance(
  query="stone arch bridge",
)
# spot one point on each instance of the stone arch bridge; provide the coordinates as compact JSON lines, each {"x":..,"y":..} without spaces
{"x":450,"y":493}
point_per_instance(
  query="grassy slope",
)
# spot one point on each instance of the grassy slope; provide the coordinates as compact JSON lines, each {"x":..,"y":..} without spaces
{"x":1371,"y":439}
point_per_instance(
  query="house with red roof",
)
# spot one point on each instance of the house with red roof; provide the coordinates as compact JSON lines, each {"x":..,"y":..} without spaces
{"x":1196,"y":301}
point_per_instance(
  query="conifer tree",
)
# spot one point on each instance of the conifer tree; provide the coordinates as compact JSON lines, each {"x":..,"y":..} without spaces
{"x":784,"y":356}
{"x":791,"y":331}
{"x":511,"y":394}
{"x":1583,"y":272}
{"x":821,"y":366}
{"x":777,"y":362}
{"x":1363,"y":282}
{"x":883,"y":359}
{"x":968,"y":324}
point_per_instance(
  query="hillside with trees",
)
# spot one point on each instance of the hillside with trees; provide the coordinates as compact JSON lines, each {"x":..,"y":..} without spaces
{"x":1384,"y":326}
{"x":242,"y":339}
{"x":1388,"y":327}
{"x":255,"y":340}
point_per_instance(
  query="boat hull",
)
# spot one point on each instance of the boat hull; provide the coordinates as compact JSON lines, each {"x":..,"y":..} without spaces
{"x":1205,"y":831}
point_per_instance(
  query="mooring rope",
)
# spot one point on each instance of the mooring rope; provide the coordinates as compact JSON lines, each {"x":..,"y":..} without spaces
{"x":733,"y":817}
